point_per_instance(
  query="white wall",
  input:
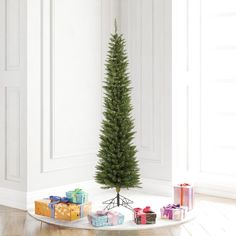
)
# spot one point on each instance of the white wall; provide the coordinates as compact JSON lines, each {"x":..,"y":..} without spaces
{"x":13,"y":94}
{"x":147,"y":28}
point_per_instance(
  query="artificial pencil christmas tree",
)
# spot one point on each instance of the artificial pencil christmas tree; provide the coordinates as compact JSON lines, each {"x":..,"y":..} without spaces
{"x":117,"y":167}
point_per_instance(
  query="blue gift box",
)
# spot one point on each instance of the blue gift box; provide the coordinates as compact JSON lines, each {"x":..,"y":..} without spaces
{"x":107,"y":218}
{"x":77,"y":196}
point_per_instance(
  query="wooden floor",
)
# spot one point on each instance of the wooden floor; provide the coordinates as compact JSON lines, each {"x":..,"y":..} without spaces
{"x":216,"y":217}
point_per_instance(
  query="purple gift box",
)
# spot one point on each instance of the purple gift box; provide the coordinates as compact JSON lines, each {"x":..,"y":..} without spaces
{"x":173,"y":212}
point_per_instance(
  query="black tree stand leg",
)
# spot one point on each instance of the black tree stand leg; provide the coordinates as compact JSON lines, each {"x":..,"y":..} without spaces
{"x":117,"y":201}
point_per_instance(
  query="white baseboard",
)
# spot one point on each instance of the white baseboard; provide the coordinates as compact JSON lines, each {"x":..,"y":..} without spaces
{"x":216,"y":185}
{"x":25,"y":200}
{"x":217,"y":191}
{"x":13,"y":198}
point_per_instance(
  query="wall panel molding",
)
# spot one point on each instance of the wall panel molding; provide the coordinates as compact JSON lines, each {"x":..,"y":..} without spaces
{"x":152,"y":46}
{"x":12,"y":34}
{"x":147,"y":78}
{"x":185,"y":88}
{"x":12,"y":94}
{"x":50,"y":160}
{"x":2,"y":34}
{"x":12,"y":134}
{"x":147,"y":25}
{"x":187,"y":127}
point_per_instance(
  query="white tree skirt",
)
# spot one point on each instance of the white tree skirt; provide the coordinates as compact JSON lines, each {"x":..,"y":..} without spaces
{"x":140,"y":200}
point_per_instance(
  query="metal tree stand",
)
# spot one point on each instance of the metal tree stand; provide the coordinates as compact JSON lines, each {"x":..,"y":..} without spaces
{"x":117,"y":201}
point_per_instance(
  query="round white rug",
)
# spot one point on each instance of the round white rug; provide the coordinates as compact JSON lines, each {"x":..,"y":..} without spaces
{"x":140,"y":200}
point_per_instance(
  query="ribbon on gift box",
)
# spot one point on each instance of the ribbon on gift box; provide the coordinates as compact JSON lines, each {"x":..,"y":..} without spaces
{"x":55,"y":200}
{"x":82,"y":210}
{"x":182,"y":189}
{"x":168,"y":213}
{"x":140,"y":213}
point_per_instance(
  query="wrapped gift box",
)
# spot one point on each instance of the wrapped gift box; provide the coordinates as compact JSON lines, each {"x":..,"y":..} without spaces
{"x":183,"y":195}
{"x":72,"y":211}
{"x":144,"y":216}
{"x":62,"y":211}
{"x":42,"y":208}
{"x":77,"y":196}
{"x":106,"y":218}
{"x":173,"y":212}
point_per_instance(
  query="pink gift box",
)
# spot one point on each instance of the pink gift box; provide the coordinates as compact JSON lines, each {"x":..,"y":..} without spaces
{"x":106,"y":218}
{"x":183,"y":195}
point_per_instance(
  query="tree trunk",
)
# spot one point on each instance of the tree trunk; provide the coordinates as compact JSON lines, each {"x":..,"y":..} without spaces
{"x":118,"y":196}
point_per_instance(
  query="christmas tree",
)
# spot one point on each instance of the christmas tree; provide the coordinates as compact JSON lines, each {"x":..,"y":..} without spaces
{"x":117,"y":167}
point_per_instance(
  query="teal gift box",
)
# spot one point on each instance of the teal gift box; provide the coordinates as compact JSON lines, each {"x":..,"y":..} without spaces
{"x":77,"y":196}
{"x":106,"y":218}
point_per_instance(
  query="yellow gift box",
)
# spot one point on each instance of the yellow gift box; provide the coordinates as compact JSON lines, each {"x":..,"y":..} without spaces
{"x":62,"y":211}
{"x":41,"y":207}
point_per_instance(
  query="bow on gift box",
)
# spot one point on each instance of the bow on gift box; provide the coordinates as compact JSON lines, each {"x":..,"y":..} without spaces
{"x":168,"y":210}
{"x":184,"y":184}
{"x":139,"y":212}
{"x":147,"y":209}
{"x":55,"y":200}
{"x":102,"y":213}
{"x":77,"y":191}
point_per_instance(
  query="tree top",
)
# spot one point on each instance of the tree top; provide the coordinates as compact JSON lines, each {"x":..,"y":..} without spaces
{"x":115,"y":23}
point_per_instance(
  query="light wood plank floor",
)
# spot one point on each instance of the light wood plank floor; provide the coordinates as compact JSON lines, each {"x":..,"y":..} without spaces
{"x":216,"y":217}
